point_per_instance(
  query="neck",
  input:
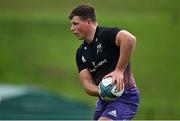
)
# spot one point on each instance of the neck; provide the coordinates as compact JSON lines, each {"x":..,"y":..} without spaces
{"x":92,"y":32}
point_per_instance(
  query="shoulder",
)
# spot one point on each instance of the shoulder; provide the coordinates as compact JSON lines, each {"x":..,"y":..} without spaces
{"x":106,"y":30}
{"x":125,"y":34}
{"x":109,"y":32}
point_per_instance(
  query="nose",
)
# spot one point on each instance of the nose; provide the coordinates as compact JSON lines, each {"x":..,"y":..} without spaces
{"x":72,"y":28}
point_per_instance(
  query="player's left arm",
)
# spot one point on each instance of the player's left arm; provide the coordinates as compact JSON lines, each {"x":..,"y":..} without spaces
{"x":126,"y":42}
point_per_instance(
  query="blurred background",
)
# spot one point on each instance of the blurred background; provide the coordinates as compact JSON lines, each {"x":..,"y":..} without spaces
{"x":37,"y":57}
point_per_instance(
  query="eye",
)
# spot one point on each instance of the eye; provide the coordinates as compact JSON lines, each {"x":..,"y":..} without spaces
{"x":75,"y":23}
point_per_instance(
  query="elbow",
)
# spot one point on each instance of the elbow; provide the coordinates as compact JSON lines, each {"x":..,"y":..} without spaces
{"x":89,"y":93}
{"x":92,"y":90}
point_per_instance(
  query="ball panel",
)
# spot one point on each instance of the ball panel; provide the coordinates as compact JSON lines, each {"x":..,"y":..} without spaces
{"x":107,"y":81}
{"x":117,"y":93}
{"x":107,"y":89}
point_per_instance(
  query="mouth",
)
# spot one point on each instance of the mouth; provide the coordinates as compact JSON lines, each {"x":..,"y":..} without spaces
{"x":76,"y":34}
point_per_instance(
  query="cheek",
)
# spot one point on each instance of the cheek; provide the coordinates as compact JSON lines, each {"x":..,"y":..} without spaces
{"x":83,"y":28}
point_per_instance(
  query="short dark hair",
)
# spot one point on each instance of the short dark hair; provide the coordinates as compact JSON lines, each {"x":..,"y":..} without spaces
{"x":84,"y":11}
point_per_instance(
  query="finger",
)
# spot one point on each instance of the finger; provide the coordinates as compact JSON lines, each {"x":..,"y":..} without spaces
{"x":108,"y":75}
{"x":121,"y":85}
{"x":114,"y":79}
{"x":117,"y":84}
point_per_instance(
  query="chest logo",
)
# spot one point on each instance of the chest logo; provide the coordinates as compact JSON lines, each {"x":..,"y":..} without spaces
{"x":99,"y":48}
{"x":93,"y":63}
{"x":83,"y":59}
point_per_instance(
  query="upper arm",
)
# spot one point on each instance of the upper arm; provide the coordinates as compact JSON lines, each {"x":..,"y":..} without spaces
{"x":124,"y":36}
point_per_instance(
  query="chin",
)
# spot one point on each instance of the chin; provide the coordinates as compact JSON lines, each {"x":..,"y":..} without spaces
{"x":81,"y":38}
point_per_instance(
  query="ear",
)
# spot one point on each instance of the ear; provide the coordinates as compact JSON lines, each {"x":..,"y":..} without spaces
{"x":89,"y":21}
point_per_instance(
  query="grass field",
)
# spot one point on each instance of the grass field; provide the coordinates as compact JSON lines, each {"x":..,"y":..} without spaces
{"x":37,"y":48}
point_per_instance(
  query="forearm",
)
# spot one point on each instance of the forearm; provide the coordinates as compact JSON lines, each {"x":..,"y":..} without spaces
{"x":91,"y":89}
{"x":87,"y":83}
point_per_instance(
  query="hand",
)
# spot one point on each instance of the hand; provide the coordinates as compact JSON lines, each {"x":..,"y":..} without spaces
{"x":118,"y":78}
{"x":100,"y":94}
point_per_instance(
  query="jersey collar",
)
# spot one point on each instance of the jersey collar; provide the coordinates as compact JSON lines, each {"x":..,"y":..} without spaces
{"x":95,"y":36}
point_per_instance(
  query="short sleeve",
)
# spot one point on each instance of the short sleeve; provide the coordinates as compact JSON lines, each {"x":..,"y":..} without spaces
{"x":80,"y":61}
{"x":111,"y":35}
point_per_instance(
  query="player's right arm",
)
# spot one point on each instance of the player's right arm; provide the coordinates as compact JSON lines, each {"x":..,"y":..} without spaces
{"x":87,"y":83}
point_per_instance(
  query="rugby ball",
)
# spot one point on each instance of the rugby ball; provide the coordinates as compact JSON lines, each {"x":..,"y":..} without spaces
{"x":107,"y":89}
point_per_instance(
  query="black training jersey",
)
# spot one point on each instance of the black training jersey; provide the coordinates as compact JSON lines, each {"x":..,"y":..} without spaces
{"x":101,"y":56}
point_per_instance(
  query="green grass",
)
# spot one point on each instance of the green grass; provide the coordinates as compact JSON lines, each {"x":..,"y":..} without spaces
{"x":37,"y":48}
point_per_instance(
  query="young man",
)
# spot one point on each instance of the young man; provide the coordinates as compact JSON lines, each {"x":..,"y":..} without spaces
{"x":105,"y":52}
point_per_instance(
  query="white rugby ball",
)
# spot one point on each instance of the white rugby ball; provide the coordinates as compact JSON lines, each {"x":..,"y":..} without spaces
{"x":107,"y":89}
